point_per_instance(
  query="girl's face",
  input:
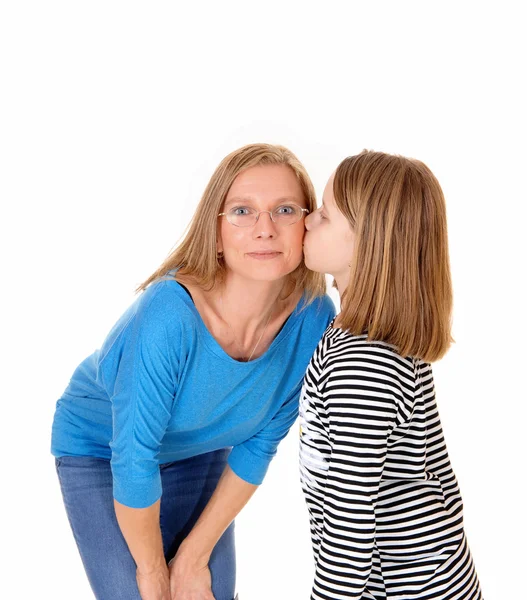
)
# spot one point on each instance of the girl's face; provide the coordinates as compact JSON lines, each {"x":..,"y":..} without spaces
{"x":265,"y":251}
{"x":328,"y":243}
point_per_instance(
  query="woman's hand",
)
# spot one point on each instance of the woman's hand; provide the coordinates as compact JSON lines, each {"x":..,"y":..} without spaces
{"x":190,"y":578}
{"x":154,"y":585}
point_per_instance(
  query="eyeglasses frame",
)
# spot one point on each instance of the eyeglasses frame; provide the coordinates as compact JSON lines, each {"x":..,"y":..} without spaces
{"x":304,"y":210}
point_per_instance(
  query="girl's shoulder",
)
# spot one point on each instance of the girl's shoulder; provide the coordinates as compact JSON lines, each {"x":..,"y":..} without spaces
{"x":341,"y":348}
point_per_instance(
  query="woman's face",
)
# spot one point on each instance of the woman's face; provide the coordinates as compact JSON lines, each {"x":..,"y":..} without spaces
{"x":265,"y":251}
{"x":328,"y":244}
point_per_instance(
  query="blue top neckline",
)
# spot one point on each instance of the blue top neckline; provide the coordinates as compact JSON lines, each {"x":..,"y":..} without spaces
{"x":213,"y":345}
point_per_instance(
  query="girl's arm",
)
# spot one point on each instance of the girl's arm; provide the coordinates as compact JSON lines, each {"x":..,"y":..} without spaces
{"x":360,"y":418}
{"x":189,"y":572}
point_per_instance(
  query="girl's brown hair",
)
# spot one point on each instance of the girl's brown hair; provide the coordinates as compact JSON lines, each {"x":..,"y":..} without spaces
{"x":196,"y":257}
{"x":400,"y":287}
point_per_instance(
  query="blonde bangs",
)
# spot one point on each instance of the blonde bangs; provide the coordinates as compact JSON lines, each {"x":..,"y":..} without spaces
{"x":400,"y":288}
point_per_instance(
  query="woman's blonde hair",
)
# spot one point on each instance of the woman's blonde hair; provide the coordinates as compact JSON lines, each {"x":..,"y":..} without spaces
{"x":400,"y":287}
{"x":196,"y":257}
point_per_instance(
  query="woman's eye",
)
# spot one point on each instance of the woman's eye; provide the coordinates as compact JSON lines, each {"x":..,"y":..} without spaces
{"x":285,"y":210}
{"x":241,"y":211}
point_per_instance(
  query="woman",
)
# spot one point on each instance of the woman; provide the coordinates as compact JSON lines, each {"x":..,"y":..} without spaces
{"x":385,"y":507}
{"x":210,"y":356}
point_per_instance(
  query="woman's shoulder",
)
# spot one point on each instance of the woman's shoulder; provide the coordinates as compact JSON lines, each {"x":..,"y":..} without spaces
{"x":325,"y":304}
{"x":164,"y":299}
{"x":159,"y":310}
{"x":320,"y":306}
{"x":314,"y":315}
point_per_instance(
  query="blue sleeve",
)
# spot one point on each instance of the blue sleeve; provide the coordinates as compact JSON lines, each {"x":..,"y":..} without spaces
{"x":250,"y":460}
{"x":143,"y":395}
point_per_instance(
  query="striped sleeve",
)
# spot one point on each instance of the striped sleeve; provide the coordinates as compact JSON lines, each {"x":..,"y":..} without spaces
{"x":361,"y":407}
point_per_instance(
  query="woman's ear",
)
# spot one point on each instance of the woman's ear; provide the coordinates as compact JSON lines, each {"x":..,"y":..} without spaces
{"x":219,"y":242}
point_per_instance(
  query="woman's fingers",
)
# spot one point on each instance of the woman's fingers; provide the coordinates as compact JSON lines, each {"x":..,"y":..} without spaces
{"x":189,"y":584}
{"x":154,"y":585}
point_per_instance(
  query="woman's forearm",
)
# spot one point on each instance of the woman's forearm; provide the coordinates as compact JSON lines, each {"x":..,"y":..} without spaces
{"x":140,"y":528}
{"x":231,"y":494}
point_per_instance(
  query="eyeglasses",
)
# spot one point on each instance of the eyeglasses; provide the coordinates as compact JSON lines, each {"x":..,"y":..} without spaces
{"x":245,"y":216}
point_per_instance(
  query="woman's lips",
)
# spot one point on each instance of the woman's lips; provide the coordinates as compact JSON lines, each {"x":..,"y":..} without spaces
{"x":266,"y":255}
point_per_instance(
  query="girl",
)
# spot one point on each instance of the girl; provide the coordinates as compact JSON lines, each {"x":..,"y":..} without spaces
{"x":385,"y":509}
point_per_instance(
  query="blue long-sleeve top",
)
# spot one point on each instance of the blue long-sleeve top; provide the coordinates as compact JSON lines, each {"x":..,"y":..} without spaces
{"x":162,"y":389}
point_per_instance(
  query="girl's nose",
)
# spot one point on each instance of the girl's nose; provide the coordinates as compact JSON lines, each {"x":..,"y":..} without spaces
{"x":308,"y":221}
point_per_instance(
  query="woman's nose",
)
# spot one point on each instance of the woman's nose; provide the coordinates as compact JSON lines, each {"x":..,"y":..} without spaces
{"x":265,"y":226}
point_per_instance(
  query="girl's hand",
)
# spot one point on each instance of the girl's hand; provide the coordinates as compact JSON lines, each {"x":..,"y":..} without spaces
{"x":189,"y":579}
{"x":154,"y":585}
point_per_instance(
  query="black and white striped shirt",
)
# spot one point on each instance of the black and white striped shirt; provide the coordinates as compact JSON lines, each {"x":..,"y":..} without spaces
{"x":385,"y":510}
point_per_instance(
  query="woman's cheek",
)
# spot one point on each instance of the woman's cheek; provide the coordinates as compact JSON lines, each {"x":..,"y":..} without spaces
{"x":299,"y":251}
{"x":299,"y":239}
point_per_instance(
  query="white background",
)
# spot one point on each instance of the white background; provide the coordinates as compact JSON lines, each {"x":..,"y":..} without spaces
{"x":114,"y":115}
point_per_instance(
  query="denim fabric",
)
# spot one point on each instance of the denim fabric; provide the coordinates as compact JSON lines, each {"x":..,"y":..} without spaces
{"x":86,"y":485}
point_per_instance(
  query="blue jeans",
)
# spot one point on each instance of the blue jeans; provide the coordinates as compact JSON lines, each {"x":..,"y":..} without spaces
{"x":86,"y":485}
